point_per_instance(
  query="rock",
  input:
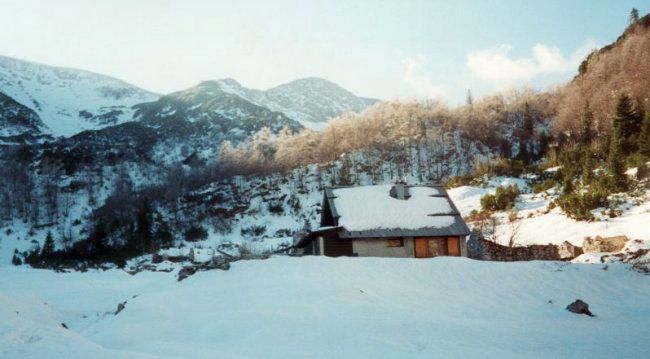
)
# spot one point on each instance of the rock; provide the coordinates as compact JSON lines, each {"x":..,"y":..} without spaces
{"x":220,"y":263}
{"x":157,"y":258}
{"x":186,"y":272}
{"x":120,"y":307}
{"x":607,"y":244}
{"x":567,"y":250}
{"x":579,"y":307}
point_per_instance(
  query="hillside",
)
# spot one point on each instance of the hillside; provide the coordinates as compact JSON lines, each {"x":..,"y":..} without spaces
{"x":618,"y":68}
{"x":18,"y":123}
{"x":69,"y":101}
{"x":285,"y":307}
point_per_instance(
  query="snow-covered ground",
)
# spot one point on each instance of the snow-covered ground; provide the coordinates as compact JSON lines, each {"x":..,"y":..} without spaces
{"x":329,"y":307}
{"x":539,"y":226}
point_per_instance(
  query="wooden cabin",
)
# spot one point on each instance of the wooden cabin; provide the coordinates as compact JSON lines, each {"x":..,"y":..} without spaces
{"x":387,"y":221}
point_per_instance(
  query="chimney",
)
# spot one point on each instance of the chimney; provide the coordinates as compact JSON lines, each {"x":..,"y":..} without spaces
{"x":399,"y":190}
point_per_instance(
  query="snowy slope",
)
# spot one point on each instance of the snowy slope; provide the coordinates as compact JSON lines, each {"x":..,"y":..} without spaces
{"x":69,"y":100}
{"x":363,"y":308}
{"x":537,"y":225}
{"x":311,"y":101}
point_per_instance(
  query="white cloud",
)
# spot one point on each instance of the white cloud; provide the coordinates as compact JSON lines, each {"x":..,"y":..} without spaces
{"x":420,"y":85}
{"x":497,"y":66}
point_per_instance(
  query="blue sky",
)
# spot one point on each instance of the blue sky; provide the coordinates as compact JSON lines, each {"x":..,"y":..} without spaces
{"x":384,"y":49}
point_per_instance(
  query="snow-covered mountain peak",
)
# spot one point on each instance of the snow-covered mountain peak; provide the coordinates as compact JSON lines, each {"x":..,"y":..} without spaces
{"x":67,"y":100}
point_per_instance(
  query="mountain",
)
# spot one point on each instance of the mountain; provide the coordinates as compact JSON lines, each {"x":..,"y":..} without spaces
{"x":207,"y":107}
{"x":311,"y":101}
{"x":18,"y":123}
{"x":69,"y":101}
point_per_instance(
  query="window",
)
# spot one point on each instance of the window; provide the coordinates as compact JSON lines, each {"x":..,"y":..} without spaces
{"x":395,"y":242}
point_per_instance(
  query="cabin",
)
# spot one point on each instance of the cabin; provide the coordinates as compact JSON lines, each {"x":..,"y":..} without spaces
{"x":387,"y":221}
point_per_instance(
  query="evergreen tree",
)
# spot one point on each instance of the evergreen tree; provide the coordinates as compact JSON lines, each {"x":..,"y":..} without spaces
{"x":587,"y":134}
{"x":616,"y":165}
{"x":48,"y":246}
{"x":143,"y":231}
{"x":15,"y":260}
{"x":644,"y":136}
{"x":587,"y":169}
{"x":625,"y":123}
{"x":634,"y":16}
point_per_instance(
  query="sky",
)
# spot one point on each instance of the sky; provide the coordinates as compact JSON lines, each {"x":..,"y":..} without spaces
{"x":382,"y":49}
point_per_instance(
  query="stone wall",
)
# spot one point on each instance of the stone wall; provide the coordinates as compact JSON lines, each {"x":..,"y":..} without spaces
{"x":490,"y":251}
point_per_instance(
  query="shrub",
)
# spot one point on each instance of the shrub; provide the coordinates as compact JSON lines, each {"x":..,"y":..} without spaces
{"x":194,"y":234}
{"x":503,"y":199}
{"x":501,"y":167}
{"x":254,"y":231}
{"x":276,"y":207}
{"x":544,"y":185}
{"x":579,"y":205}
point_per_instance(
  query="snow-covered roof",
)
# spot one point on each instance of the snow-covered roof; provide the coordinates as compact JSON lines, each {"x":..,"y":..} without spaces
{"x":370,"y":211}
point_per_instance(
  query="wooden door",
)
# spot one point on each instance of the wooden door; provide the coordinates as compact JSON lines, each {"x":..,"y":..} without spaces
{"x":421,"y":248}
{"x":453,"y":246}
{"x":426,"y":247}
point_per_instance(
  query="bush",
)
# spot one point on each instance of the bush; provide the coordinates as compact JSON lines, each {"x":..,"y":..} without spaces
{"x":544,"y":185}
{"x":579,"y":205}
{"x":196,"y":234}
{"x":503,"y":199}
{"x":501,"y":167}
{"x":253,"y":231}
{"x":276,"y":207}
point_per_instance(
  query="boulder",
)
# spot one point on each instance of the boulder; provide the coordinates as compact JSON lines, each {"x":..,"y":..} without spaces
{"x":579,"y":307}
{"x":120,"y":307}
{"x":186,"y":272}
{"x":567,"y":250}
{"x":157,"y":258}
{"x":606,"y":244}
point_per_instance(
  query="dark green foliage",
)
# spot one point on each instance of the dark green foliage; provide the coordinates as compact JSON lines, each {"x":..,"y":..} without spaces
{"x":143,"y":236}
{"x":253,"y":231}
{"x":501,"y":167}
{"x":579,"y":205}
{"x":504,"y":198}
{"x":627,"y":124}
{"x":567,"y":185}
{"x":588,"y":167}
{"x":196,"y":233}
{"x":616,"y":165}
{"x":48,"y":246}
{"x":644,"y":136}
{"x":587,"y":133}
{"x":276,"y":207}
{"x":544,"y":185}
{"x":15,"y":260}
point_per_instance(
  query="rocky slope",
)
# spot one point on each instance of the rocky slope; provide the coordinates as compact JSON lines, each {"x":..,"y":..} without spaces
{"x":18,"y":123}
